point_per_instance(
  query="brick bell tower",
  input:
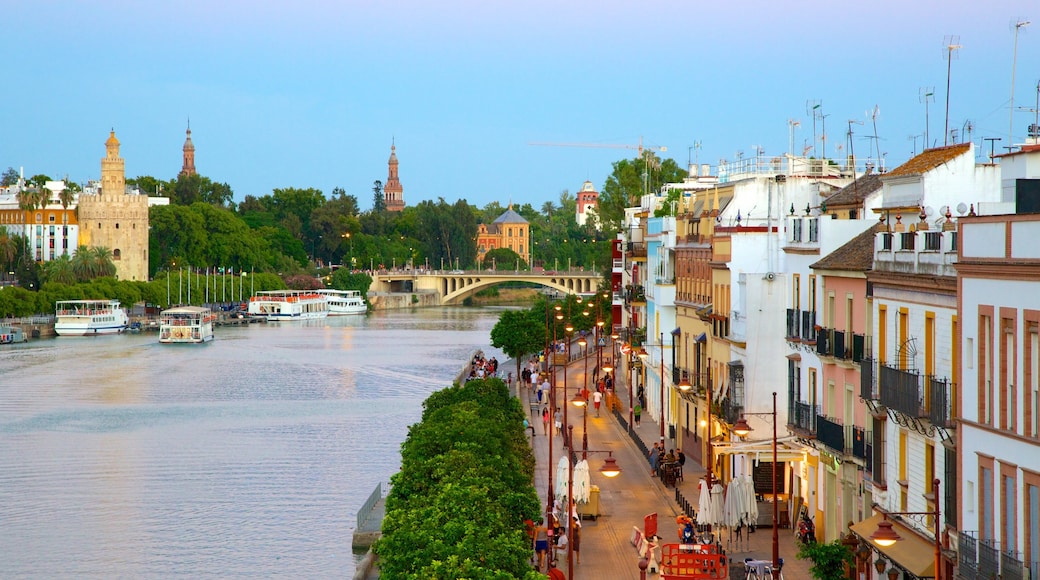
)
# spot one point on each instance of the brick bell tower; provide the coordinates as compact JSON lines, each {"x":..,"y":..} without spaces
{"x":393,"y":193}
{"x":188,"y":167}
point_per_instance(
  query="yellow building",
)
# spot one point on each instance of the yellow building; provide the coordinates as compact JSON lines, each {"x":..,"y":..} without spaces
{"x":510,"y":230}
{"x":116,"y":220}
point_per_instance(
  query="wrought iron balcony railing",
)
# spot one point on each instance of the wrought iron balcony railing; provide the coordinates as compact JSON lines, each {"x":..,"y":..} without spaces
{"x":831,"y":433}
{"x":804,"y":416}
{"x":867,"y":387}
{"x":901,"y":390}
{"x":940,"y":391}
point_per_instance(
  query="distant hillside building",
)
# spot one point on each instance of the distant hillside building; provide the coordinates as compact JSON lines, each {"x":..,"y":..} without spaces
{"x":588,"y":202}
{"x":188,"y":167}
{"x":115,"y":219}
{"x":393,"y":193}
{"x":510,"y":230}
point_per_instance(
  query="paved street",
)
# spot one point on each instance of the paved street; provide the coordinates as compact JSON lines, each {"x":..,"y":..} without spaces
{"x":606,"y":548}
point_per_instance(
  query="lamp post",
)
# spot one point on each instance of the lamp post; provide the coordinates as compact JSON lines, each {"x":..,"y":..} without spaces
{"x":885,"y":536}
{"x":742,"y":428}
{"x":581,"y":400}
{"x":645,"y":355}
{"x":610,"y":469}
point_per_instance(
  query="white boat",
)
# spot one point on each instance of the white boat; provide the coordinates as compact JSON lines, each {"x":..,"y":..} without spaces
{"x":89,"y":317}
{"x":275,"y":305}
{"x":343,"y":302}
{"x":186,"y":324}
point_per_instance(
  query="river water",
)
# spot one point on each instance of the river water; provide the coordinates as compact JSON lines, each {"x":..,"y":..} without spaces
{"x":245,"y":457}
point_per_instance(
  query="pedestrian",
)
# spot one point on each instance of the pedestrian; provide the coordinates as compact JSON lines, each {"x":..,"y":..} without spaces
{"x":559,"y":421}
{"x":637,"y":411}
{"x":555,"y":573}
{"x":576,"y":539}
{"x":541,"y":541}
{"x":597,"y":398}
{"x":545,"y":420}
{"x":680,"y":457}
{"x":655,"y":456}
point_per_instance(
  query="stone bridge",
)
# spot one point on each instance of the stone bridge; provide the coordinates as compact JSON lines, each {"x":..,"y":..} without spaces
{"x":452,"y":287}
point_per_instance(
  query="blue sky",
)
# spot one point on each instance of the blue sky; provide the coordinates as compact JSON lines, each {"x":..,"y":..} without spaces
{"x":310,"y":94}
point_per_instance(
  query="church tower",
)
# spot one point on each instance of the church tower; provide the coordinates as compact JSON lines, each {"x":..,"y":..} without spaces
{"x":393,"y":193}
{"x":116,"y":220}
{"x":188,"y":168}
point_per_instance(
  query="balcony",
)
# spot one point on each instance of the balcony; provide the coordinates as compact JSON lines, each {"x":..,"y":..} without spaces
{"x":636,"y":249}
{"x":840,"y":345}
{"x":831,"y":433}
{"x":938,"y":402}
{"x":859,"y":442}
{"x":804,"y":417}
{"x":792,"y":324}
{"x":901,"y":390}
{"x":867,"y":388}
{"x":801,"y":325}
{"x":635,"y":294}
{"x":809,"y":325}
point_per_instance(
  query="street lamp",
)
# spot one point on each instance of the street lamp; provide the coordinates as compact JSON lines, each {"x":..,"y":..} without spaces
{"x":885,"y":536}
{"x":741,"y":428}
{"x":610,"y":469}
{"x":645,"y":355}
{"x":580,"y":400}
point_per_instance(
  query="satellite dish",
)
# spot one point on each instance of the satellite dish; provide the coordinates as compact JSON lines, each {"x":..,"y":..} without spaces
{"x":929,"y":211}
{"x":961,"y":208}
{"x":944,"y":210}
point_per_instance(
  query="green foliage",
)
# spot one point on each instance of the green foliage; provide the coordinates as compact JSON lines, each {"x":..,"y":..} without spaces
{"x":518,"y":333}
{"x":828,"y":560}
{"x":9,"y":177}
{"x":344,"y":279}
{"x":668,"y":206}
{"x":503,"y":259}
{"x":457,"y":506}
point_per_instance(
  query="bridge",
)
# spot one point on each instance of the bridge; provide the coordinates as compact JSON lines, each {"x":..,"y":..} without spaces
{"x":455,"y":285}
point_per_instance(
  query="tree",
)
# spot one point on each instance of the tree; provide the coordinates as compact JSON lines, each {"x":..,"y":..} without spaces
{"x":9,"y":177}
{"x":828,"y":560}
{"x":518,"y":333}
{"x":59,"y":270}
{"x":503,"y":259}
{"x":378,"y":200}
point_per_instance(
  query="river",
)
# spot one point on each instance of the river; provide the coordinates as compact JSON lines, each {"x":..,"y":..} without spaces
{"x":245,"y":457}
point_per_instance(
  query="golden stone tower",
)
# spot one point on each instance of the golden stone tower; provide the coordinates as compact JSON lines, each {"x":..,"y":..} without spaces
{"x":116,"y":220}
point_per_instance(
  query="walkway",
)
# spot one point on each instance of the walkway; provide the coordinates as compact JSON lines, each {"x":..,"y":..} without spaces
{"x":606,"y":548}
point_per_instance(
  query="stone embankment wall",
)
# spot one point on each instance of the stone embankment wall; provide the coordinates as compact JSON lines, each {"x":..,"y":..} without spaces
{"x":399,"y":300}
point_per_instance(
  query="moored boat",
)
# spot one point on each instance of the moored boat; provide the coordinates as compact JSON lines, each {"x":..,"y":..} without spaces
{"x":186,"y":324}
{"x":276,"y":305}
{"x":11,"y":334}
{"x":89,"y":317}
{"x":342,"y":302}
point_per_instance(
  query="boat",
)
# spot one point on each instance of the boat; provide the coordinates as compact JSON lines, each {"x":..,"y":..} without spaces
{"x":342,"y":302}
{"x":11,"y":334}
{"x":276,"y":305}
{"x":186,"y":324}
{"x":89,"y":317}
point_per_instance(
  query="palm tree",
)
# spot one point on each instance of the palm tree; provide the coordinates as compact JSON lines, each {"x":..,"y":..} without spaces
{"x":59,"y":270}
{"x":8,"y":250}
{"x":103,"y":264}
{"x":83,"y":264}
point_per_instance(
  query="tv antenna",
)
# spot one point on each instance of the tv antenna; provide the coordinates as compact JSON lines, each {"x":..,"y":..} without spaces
{"x":1018,"y":25}
{"x":951,"y":44}
{"x":874,"y":114}
{"x":791,"y":126}
{"x":926,"y":95}
{"x":914,"y":139}
{"x":852,"y":150}
{"x":812,"y":108}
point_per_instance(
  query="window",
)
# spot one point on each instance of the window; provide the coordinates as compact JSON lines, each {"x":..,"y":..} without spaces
{"x":985,"y":371}
{"x":1031,"y":375}
{"x":116,"y":255}
{"x":932,"y":241}
{"x":796,"y":291}
{"x":1008,"y":505}
{"x":796,"y":230}
{"x":886,"y":241}
{"x":906,"y":241}
{"x":986,"y":515}
{"x":1008,"y":388}
{"x":814,"y":230}
{"x":882,"y":333}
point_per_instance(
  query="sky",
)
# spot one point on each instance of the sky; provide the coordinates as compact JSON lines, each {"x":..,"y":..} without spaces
{"x":313,"y":93}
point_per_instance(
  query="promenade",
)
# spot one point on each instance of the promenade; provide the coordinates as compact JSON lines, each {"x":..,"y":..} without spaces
{"x":606,"y":548}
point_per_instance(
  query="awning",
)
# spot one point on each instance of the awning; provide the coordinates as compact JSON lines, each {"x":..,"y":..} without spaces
{"x":913,"y":553}
{"x":761,"y":450}
{"x":677,"y":332}
{"x":702,"y":337}
{"x":795,"y":357}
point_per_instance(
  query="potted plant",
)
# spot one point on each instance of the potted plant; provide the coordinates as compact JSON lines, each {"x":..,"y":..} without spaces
{"x":828,"y":560}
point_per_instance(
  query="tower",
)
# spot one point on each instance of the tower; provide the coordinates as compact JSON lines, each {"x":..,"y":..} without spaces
{"x":188,"y":168}
{"x":588,"y":202}
{"x":393,"y":193}
{"x":116,"y":220}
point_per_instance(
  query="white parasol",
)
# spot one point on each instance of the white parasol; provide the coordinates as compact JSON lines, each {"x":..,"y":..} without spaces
{"x":562,"y":471}
{"x":703,"y":503}
{"x":750,"y":500}
{"x":582,"y":481}
{"x":717,"y":499}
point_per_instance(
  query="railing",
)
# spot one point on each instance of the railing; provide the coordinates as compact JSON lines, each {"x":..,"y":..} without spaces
{"x":979,"y":558}
{"x":366,"y":509}
{"x":792,"y":323}
{"x":939,"y":391}
{"x":858,"y":436}
{"x":637,"y":249}
{"x":831,"y":433}
{"x":867,"y":389}
{"x":805,"y":416}
{"x":809,"y":325}
{"x":901,"y":390}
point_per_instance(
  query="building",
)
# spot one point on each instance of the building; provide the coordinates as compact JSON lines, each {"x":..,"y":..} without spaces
{"x":510,"y":230}
{"x":998,"y":431}
{"x":188,"y":165}
{"x":393,"y":193}
{"x":115,"y":219}
{"x":49,"y":223}
{"x":587,"y":205}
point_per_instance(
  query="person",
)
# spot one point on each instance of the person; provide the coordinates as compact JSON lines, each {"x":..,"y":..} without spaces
{"x":545,"y":420}
{"x":576,"y":539}
{"x":527,"y":425}
{"x":561,"y":544}
{"x":559,"y":421}
{"x":541,"y":541}
{"x":555,"y":573}
{"x":637,"y":411}
{"x":597,"y":398}
{"x":670,"y":456}
{"x":680,"y":457}
{"x":654,"y":459}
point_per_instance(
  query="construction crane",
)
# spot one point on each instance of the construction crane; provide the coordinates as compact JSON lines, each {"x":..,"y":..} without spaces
{"x":644,"y":152}
{"x":638,"y":147}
